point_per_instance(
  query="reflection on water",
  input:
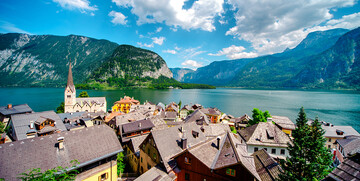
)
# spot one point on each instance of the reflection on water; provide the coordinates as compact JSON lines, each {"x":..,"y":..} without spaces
{"x":338,"y":107}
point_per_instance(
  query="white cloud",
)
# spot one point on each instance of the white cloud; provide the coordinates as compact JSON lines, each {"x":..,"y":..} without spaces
{"x":348,"y":21}
{"x":272,"y":26}
{"x":145,"y":45}
{"x":158,"y":40}
{"x":177,"y":48}
{"x":11,"y":28}
{"x":170,"y":51}
{"x":118,"y":18}
{"x":200,"y":15}
{"x":191,"y":64}
{"x":234,"y":52}
{"x":158,"y":29}
{"x":82,"y":5}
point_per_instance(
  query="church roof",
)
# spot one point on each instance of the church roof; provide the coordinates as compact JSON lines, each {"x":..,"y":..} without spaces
{"x":91,"y":100}
{"x":70,"y":82}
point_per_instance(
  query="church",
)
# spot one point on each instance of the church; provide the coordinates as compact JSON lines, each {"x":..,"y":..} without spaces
{"x":88,"y":104}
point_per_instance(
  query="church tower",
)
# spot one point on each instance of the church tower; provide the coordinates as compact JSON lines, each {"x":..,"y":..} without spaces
{"x":70,"y":93}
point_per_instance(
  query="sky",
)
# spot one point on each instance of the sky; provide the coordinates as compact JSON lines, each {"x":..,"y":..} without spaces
{"x":185,"y":33}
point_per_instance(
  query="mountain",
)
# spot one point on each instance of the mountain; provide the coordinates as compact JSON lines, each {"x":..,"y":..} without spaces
{"x":178,"y":73}
{"x":337,"y":67}
{"x":42,"y":60}
{"x":291,"y":68}
{"x":217,"y":73}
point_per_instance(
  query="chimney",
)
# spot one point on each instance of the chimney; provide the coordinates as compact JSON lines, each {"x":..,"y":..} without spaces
{"x":183,"y":143}
{"x":139,"y":125}
{"x":31,"y":124}
{"x":218,"y":142}
{"x":9,"y":106}
{"x":61,"y":142}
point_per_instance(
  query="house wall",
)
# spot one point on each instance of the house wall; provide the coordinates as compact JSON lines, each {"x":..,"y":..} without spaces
{"x":250,"y":149}
{"x":149,"y":155}
{"x":183,"y":113}
{"x":330,"y":142}
{"x":196,"y":170}
{"x":110,"y":169}
{"x":287,"y":131}
{"x":133,"y":160}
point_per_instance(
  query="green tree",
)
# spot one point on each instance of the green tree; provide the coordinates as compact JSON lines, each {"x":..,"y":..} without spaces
{"x":258,"y":116}
{"x":83,"y":94}
{"x":308,"y":158}
{"x":233,"y":130}
{"x":120,"y":163}
{"x":2,"y":127}
{"x":58,"y":173}
{"x":61,"y":108}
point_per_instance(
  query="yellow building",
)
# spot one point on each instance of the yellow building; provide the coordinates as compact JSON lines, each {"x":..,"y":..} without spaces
{"x":124,"y":105}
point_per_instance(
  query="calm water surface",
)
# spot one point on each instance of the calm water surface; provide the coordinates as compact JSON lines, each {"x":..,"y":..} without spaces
{"x":337,"y":107}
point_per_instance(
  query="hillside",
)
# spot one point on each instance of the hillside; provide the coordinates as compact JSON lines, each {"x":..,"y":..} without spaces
{"x":42,"y":60}
{"x":304,"y":66}
{"x":178,"y":73}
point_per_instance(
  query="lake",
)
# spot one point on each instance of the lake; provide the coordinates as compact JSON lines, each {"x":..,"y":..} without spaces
{"x":337,"y":107}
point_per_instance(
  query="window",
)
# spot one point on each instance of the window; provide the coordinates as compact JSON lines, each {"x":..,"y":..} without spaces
{"x":265,"y":149}
{"x":141,"y":159}
{"x":143,"y":146}
{"x":103,"y":176}
{"x":148,"y":151}
{"x":282,"y":151}
{"x":187,"y":160}
{"x":329,"y":139}
{"x":68,"y":96}
{"x":230,"y":172}
{"x":256,"y":149}
{"x":148,"y":166}
{"x":154,"y":156}
{"x":329,"y":146}
{"x":273,"y":151}
{"x":187,"y":176}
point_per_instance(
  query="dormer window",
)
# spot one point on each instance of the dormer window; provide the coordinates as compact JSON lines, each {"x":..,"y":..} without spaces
{"x":270,"y":134}
{"x":339,"y":132}
{"x":187,"y":160}
{"x":68,"y":96}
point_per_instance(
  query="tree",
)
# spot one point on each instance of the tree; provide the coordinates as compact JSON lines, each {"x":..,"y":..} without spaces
{"x":2,"y":127}
{"x":258,"y":116}
{"x":83,"y":94}
{"x":61,"y":108}
{"x":233,"y":130}
{"x":309,"y":159}
{"x":120,"y":163}
{"x":179,"y":105}
{"x":58,"y":173}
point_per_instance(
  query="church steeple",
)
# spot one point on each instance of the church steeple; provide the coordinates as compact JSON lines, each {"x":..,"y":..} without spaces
{"x":70,"y":82}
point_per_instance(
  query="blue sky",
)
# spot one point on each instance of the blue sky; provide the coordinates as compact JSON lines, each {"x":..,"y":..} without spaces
{"x":186,"y":33}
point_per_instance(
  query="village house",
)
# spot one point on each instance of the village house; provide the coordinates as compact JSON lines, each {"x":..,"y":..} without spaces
{"x":172,"y":107}
{"x":213,"y":114}
{"x":136,"y":128}
{"x":88,"y":104}
{"x":347,"y":170}
{"x":198,"y":117}
{"x":284,"y":123}
{"x":160,"y":145}
{"x":95,"y":149}
{"x":333,"y":133}
{"x":267,"y":168}
{"x":124,"y":104}
{"x":220,"y":158}
{"x":345,"y":148}
{"x":266,"y":135}
{"x":23,"y":126}
{"x":7,"y":111}
{"x":184,"y":112}
{"x":133,"y":152}
{"x":169,"y":116}
{"x":240,"y":122}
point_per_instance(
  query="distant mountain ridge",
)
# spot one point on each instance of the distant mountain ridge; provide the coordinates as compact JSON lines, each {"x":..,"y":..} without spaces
{"x":42,"y":60}
{"x":178,"y":73}
{"x":324,"y":59}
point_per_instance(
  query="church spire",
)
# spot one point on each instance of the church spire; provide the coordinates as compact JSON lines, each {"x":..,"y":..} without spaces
{"x":70,"y":82}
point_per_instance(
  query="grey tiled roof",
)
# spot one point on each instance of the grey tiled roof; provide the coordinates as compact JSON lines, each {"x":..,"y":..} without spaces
{"x":197,"y":116}
{"x":331,"y":131}
{"x":283,"y":122}
{"x":136,"y":141}
{"x":155,"y":174}
{"x":168,"y":140}
{"x":212,"y":111}
{"x":266,"y":166}
{"x":70,"y":115}
{"x":91,"y":100}
{"x":350,"y":145}
{"x":259,"y":134}
{"x":16,"y":109}
{"x":85,"y":145}
{"x":137,"y":126}
{"x":347,"y":170}
{"x":21,"y":122}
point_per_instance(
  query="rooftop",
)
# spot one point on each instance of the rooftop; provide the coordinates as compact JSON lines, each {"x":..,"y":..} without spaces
{"x":339,"y":131}
{"x":15,"y":109}
{"x":283,"y":122}
{"x":266,"y":166}
{"x":85,"y":145}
